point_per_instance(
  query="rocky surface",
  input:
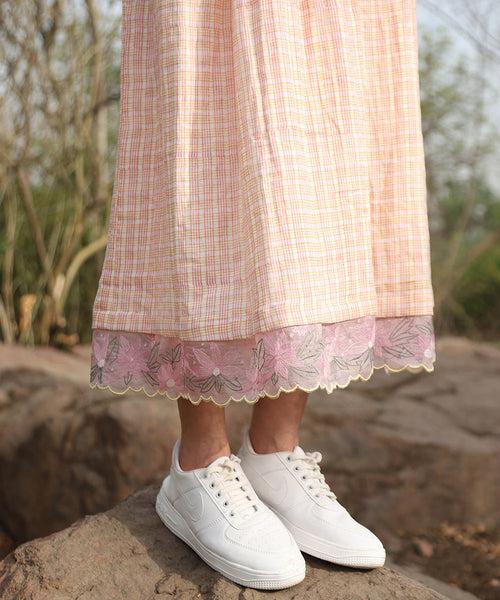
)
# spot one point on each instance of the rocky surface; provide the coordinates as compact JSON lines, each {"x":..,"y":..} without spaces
{"x":128,"y":553}
{"x":67,"y":451}
{"x":6,"y":544}
{"x":449,"y":591}
{"x":416,"y":457}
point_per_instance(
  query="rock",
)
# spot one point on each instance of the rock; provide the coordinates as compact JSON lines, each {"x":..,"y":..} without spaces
{"x":423,"y":547}
{"x":448,"y":591}
{"x":128,"y":553}
{"x":70,"y":366}
{"x":6,"y":544}
{"x":66,"y":450}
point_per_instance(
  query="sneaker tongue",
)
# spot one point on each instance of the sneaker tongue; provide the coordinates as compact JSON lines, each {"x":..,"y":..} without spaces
{"x":297,"y":451}
{"x":219,"y":460}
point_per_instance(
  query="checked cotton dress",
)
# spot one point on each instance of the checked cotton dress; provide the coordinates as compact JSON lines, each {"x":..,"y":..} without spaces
{"x":269,"y":223}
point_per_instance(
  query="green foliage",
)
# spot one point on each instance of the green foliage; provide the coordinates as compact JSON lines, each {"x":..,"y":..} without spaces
{"x":478,"y":295}
{"x":461,"y":141}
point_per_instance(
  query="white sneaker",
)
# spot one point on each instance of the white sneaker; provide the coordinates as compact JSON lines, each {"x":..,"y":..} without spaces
{"x":292,"y":485}
{"x":215,"y":510}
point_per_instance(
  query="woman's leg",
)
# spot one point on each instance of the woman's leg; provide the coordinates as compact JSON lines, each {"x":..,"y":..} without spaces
{"x":276,"y":422}
{"x":203,"y":434}
{"x":274,"y":427}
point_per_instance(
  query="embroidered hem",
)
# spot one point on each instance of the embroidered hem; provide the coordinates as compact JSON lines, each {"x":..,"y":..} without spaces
{"x":312,"y":356}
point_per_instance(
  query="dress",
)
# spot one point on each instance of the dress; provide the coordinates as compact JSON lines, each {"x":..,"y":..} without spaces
{"x":269,"y":224}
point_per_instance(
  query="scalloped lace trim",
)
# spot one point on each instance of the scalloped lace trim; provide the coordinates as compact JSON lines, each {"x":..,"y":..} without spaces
{"x":318,"y":355}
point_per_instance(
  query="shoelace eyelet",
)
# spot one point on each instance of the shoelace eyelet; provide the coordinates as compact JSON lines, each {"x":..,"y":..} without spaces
{"x":296,"y":468}
{"x":288,"y":458}
{"x":212,"y":485}
{"x":226,"y":502}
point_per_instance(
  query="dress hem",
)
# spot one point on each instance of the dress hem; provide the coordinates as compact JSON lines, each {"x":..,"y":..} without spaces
{"x":308,"y":357}
{"x":282,"y":390}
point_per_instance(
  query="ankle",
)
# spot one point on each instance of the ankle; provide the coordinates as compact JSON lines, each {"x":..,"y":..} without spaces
{"x":267,"y":443}
{"x":195,"y":455}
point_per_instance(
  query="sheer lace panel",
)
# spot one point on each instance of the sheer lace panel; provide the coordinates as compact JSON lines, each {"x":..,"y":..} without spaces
{"x":319,"y":355}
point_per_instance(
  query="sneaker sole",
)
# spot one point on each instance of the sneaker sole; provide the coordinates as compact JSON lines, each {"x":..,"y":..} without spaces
{"x":176,"y":523}
{"x":317,"y":547}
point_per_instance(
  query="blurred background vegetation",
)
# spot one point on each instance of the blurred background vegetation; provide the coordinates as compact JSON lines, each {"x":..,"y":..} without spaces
{"x":59,"y":80}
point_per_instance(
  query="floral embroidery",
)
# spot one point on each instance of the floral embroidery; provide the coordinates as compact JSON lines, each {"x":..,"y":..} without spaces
{"x":318,"y":355}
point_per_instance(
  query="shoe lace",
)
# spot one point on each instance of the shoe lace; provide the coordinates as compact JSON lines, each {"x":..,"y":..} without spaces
{"x":229,"y":483}
{"x":308,"y":464}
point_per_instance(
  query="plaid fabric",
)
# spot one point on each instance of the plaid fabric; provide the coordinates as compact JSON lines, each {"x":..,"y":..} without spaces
{"x":270,"y":168}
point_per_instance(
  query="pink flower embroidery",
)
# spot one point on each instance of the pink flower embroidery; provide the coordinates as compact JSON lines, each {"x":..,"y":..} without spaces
{"x":326,"y":355}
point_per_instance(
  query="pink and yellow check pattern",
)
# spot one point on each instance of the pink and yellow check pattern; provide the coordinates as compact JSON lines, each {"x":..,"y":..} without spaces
{"x":270,"y":168}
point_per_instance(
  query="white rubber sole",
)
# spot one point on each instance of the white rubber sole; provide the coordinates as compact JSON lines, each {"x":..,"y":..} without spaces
{"x":325,"y":550}
{"x":241,"y":575}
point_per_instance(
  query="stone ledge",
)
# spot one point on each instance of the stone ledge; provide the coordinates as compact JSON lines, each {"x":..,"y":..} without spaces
{"x":127,"y":553}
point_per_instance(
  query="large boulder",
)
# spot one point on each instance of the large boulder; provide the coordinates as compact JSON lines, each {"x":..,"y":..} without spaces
{"x":128,"y":553}
{"x":67,"y":451}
